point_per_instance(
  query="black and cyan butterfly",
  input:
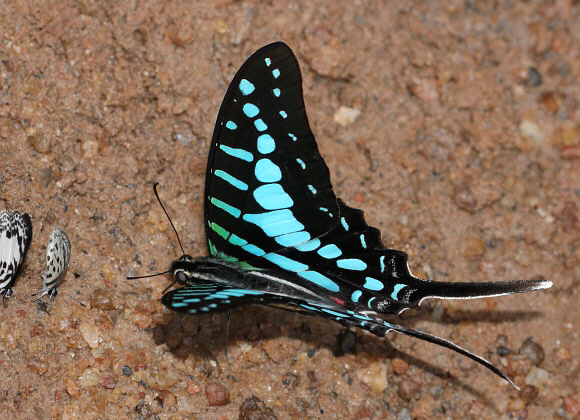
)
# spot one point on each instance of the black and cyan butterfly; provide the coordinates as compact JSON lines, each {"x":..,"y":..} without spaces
{"x":278,"y":235}
{"x":15,"y":237}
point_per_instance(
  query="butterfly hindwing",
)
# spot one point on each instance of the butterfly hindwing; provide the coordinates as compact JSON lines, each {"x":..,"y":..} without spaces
{"x":15,"y":237}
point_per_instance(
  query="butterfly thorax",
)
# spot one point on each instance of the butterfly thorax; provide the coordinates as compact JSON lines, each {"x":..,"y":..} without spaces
{"x":190,"y":271}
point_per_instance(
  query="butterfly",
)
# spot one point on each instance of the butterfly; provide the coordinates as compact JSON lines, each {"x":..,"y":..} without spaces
{"x":57,"y":259}
{"x":15,"y":237}
{"x":278,"y":235}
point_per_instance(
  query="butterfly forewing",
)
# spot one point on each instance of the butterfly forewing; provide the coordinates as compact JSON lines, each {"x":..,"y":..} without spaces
{"x":267,"y":187}
{"x":15,"y":236}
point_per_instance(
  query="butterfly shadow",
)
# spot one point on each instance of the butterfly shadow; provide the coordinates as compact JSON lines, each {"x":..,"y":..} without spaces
{"x":204,"y":337}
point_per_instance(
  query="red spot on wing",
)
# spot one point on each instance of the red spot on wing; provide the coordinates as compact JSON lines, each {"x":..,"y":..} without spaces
{"x":339,"y":301}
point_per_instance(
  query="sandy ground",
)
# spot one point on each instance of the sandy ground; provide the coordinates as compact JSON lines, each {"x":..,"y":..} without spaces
{"x":465,"y":153}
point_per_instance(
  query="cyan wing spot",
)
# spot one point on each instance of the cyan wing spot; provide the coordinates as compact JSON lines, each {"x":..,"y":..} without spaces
{"x":382,"y":261}
{"x":308,"y":246}
{"x":231,"y":125}
{"x":283,"y":114}
{"x":237,"y":153}
{"x":344,"y":224}
{"x":356,"y":295}
{"x":204,"y":309}
{"x":359,"y":316}
{"x":373,"y":284}
{"x":312,"y":189}
{"x":275,"y":223}
{"x":260,"y":125}
{"x":369,"y":303}
{"x":276,"y":73}
{"x":267,"y":171}
{"x":293,"y":239}
{"x":219,"y":230}
{"x":236,"y":240}
{"x":212,"y":305}
{"x":231,"y":180}
{"x":227,"y":301}
{"x":331,"y":312}
{"x":301,"y":163}
{"x":329,"y":251}
{"x":396,"y":290}
{"x":352,"y":264}
{"x":276,"y":92}
{"x":250,"y":110}
{"x":254,"y":250}
{"x":226,"y":207}
{"x":246,"y":87}
{"x":320,"y":280}
{"x":292,"y":136}
{"x":272,"y":197}
{"x":286,"y":263}
{"x":266,"y":144}
{"x":267,"y":61}
{"x":362,"y":241}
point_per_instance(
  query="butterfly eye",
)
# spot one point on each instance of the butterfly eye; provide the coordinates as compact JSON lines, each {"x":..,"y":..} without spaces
{"x":181,"y":277}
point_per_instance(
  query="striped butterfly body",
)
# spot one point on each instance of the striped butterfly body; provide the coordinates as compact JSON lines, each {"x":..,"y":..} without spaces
{"x":15,"y":237}
{"x":278,"y":235}
{"x":57,"y":259}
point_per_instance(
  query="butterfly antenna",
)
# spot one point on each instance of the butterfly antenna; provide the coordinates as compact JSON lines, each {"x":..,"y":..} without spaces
{"x":168,"y":218}
{"x":147,"y":276}
{"x":70,"y":297}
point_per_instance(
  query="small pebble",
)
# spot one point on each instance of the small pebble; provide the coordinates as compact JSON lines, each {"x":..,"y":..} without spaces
{"x":537,"y":377}
{"x":193,"y":388}
{"x":90,"y":334}
{"x":78,"y":368}
{"x":399,"y":366}
{"x":534,"y":77}
{"x":254,"y":409}
{"x":102,"y":299}
{"x":572,"y":405}
{"x":217,"y":395}
{"x":533,"y":351}
{"x":186,"y":404}
{"x":127,"y":371}
{"x":72,"y":388}
{"x":529,"y":393}
{"x":108,"y":382}
{"x":256,"y":356}
{"x":346,"y":115}
{"x":90,"y":377}
{"x":274,"y":349}
{"x":37,"y":365}
{"x":160,"y":379}
{"x":375,"y":376}
{"x":408,"y":388}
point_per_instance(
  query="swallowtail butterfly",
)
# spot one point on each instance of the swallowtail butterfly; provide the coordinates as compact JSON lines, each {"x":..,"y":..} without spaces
{"x":15,"y":236}
{"x":276,"y":232}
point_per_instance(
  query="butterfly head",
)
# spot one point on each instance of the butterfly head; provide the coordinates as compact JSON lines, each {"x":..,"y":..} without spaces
{"x":184,"y":269}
